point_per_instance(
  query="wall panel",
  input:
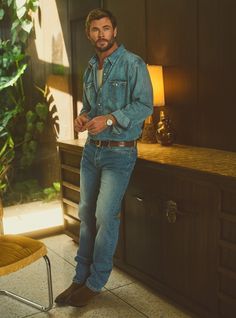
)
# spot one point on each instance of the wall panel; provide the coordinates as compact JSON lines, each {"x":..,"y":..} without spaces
{"x":172,"y":42}
{"x":131,"y":18}
{"x":217,"y":68}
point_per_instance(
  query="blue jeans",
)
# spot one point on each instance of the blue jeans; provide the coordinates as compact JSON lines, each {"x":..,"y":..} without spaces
{"x":104,"y":177}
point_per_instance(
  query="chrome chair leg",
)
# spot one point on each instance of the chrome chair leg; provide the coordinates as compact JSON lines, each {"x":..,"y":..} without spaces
{"x":30,"y":302}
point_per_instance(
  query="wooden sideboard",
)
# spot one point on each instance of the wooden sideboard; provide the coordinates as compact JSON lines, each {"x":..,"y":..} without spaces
{"x":70,"y":153}
{"x":178,"y":229}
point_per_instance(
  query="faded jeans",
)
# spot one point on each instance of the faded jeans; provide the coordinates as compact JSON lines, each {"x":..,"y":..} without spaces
{"x":104,"y":177}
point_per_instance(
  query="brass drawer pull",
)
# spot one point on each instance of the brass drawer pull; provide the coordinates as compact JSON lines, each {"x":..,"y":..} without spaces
{"x":171,"y":211}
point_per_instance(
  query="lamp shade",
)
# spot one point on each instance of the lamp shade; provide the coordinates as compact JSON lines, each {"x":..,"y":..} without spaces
{"x":156,"y":75}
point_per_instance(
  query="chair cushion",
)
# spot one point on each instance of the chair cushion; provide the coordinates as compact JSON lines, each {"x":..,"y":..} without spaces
{"x":18,"y":251}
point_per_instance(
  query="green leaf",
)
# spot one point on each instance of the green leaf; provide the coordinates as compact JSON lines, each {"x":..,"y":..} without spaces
{"x":20,"y":3}
{"x":9,"y":2}
{"x":48,"y":191}
{"x":23,"y":36}
{"x":34,"y":4}
{"x":20,"y":12}
{"x":27,"y":25}
{"x":2,"y":185}
{"x":12,"y":80}
{"x":3,"y":133}
{"x":30,"y":127}
{"x":57,"y":186}
{"x":15,"y":24}
{"x":30,"y":117}
{"x":2,"y":12}
{"x":42,"y":111}
{"x":40,"y":126}
{"x":14,"y":36}
{"x":10,"y":142}
{"x":8,"y":115}
{"x":41,"y":90}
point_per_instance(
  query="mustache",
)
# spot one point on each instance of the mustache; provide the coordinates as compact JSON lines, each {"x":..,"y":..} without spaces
{"x":101,"y":40}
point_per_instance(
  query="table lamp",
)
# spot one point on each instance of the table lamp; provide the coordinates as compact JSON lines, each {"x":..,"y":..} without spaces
{"x":156,"y":75}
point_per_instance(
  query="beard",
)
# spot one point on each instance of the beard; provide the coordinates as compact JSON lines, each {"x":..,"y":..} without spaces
{"x":109,"y":44}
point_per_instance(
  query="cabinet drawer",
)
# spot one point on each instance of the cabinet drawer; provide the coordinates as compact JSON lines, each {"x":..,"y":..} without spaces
{"x":70,"y":158}
{"x":227,"y":285}
{"x":227,"y":258}
{"x":228,"y":231}
{"x":228,"y":202}
{"x":70,"y":194}
{"x":70,"y":176}
{"x":71,"y":210}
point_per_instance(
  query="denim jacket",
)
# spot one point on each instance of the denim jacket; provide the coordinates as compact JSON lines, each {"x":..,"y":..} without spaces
{"x":126,"y":93}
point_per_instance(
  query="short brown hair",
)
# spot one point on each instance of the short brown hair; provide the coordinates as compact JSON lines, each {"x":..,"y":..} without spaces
{"x":97,"y":14}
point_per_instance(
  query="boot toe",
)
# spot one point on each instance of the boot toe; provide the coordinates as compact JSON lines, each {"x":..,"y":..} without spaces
{"x":81,"y":297}
{"x":61,"y":298}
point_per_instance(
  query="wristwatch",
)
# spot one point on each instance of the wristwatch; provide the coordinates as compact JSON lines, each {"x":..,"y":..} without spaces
{"x":109,"y":122}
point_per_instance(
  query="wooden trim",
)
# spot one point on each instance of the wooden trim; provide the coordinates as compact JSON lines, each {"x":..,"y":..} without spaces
{"x":70,"y":168}
{"x":69,"y":202}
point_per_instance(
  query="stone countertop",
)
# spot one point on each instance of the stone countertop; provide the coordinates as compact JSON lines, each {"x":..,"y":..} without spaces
{"x":207,"y":160}
{"x":72,"y":142}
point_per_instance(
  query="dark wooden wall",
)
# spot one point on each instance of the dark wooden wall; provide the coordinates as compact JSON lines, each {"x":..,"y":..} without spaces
{"x":195,"y":41}
{"x":216,"y":71}
{"x":172,"y":42}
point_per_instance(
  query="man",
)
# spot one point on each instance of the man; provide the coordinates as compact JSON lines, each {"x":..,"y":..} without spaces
{"x":117,"y":98}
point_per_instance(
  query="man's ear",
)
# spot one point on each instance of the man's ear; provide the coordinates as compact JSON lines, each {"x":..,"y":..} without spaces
{"x":115,"y":32}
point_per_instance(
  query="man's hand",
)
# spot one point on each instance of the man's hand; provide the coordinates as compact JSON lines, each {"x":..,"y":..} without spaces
{"x":81,"y":122}
{"x":97,"y":125}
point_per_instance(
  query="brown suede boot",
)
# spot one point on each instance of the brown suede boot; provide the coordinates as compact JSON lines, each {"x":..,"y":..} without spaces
{"x":81,"y":297}
{"x":61,"y":298}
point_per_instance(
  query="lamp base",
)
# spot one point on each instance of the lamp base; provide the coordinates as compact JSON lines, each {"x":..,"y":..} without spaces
{"x":148,"y":134}
{"x":165,"y":134}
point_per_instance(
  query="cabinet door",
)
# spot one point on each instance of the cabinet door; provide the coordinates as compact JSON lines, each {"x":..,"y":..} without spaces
{"x":138,"y":211}
{"x":186,"y":226}
{"x":137,"y":235}
{"x":171,"y":232}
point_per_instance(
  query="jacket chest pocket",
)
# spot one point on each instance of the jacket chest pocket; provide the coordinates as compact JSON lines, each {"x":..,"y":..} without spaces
{"x":118,"y":91}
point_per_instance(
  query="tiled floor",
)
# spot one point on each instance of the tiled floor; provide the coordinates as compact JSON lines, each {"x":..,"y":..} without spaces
{"x":123,"y":296}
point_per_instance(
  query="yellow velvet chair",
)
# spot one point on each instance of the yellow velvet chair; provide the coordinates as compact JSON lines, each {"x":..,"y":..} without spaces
{"x":17,"y":252}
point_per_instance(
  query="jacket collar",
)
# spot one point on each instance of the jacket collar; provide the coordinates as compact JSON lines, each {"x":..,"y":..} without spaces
{"x":111,"y":58}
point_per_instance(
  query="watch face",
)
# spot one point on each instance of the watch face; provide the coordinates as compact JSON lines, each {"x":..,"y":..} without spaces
{"x":109,"y":122}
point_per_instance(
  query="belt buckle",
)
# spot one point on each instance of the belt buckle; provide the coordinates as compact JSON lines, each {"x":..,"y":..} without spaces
{"x":99,"y":143}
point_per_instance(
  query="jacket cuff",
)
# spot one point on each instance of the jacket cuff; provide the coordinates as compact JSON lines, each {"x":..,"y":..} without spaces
{"x":122,"y":120}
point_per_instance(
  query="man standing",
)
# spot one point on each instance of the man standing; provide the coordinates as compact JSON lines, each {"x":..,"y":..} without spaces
{"x":117,"y":98}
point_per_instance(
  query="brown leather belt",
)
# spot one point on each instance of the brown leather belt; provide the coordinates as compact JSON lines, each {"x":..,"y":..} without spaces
{"x":111,"y":143}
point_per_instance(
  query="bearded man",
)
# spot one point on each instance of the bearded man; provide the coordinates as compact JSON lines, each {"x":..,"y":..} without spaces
{"x":117,"y":97}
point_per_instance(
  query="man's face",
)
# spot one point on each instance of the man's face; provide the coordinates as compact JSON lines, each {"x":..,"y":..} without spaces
{"x":102,"y":35}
